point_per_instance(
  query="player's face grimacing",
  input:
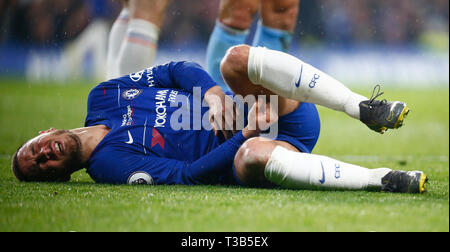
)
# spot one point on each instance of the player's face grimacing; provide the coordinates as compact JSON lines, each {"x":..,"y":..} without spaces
{"x":51,"y":156}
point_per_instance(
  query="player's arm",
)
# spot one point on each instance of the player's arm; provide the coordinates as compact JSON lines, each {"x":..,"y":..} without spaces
{"x":190,"y":75}
{"x":207,"y":169}
{"x":184,"y":75}
{"x":120,"y":167}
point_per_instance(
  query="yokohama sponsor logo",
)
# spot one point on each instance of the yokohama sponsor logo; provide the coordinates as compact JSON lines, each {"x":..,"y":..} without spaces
{"x":160,"y":108}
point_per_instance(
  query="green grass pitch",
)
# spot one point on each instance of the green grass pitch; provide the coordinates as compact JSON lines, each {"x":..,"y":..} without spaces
{"x":81,"y":205}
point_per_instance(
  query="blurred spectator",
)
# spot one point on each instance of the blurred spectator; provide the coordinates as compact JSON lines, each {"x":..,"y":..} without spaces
{"x":46,"y":22}
{"x":390,"y":22}
{"x":7,"y":9}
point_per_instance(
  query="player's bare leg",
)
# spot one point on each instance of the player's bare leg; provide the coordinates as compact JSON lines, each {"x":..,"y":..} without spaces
{"x":291,"y":78}
{"x":280,"y":14}
{"x":238,"y":14}
{"x":153,"y":11}
{"x":277,"y":23}
{"x":265,"y":163}
{"x":139,"y":44}
{"x":232,"y":27}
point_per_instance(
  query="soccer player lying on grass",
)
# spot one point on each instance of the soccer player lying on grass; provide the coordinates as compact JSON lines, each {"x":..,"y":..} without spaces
{"x":133,"y":133}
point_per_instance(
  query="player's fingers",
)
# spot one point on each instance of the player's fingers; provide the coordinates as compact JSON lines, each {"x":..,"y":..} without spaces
{"x":213,"y":124}
{"x":226,"y":134}
{"x":236,"y":116}
{"x":229,"y":119}
{"x":228,"y":111}
{"x":224,"y":127}
{"x":221,"y":125}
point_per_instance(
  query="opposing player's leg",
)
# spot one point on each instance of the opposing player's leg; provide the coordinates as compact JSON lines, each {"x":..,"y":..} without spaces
{"x":278,"y":19}
{"x":232,"y":25}
{"x":139,"y":45}
{"x":116,"y":37}
{"x":264,"y":163}
{"x":291,"y":78}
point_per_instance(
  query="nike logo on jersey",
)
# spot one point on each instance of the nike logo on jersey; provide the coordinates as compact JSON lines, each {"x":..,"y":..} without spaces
{"x":323,"y":174}
{"x":130,"y":138}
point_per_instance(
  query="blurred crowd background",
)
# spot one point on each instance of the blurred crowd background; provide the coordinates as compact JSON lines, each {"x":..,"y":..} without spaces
{"x":340,"y":22}
{"x":327,"y":23}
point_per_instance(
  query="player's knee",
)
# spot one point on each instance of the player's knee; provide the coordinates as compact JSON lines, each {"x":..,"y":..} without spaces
{"x":238,"y":14}
{"x":250,"y":161}
{"x":235,"y":61}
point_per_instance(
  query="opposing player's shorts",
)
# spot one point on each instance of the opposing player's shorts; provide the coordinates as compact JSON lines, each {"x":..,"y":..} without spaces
{"x":300,"y":128}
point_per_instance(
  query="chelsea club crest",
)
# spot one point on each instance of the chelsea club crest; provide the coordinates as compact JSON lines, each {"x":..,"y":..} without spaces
{"x":130,"y":94}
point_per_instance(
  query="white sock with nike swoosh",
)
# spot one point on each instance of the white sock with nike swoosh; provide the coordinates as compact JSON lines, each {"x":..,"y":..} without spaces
{"x":296,"y":170}
{"x":292,"y":78}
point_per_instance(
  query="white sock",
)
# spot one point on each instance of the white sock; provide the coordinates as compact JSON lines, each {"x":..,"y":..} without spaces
{"x":291,"y":78}
{"x":139,"y":47}
{"x":298,"y":170}
{"x":116,"y":37}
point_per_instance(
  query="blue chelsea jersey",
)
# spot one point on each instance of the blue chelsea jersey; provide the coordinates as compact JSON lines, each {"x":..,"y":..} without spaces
{"x":155,"y":131}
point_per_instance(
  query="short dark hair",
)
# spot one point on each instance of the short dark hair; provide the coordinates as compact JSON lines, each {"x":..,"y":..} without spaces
{"x":16,"y":168}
